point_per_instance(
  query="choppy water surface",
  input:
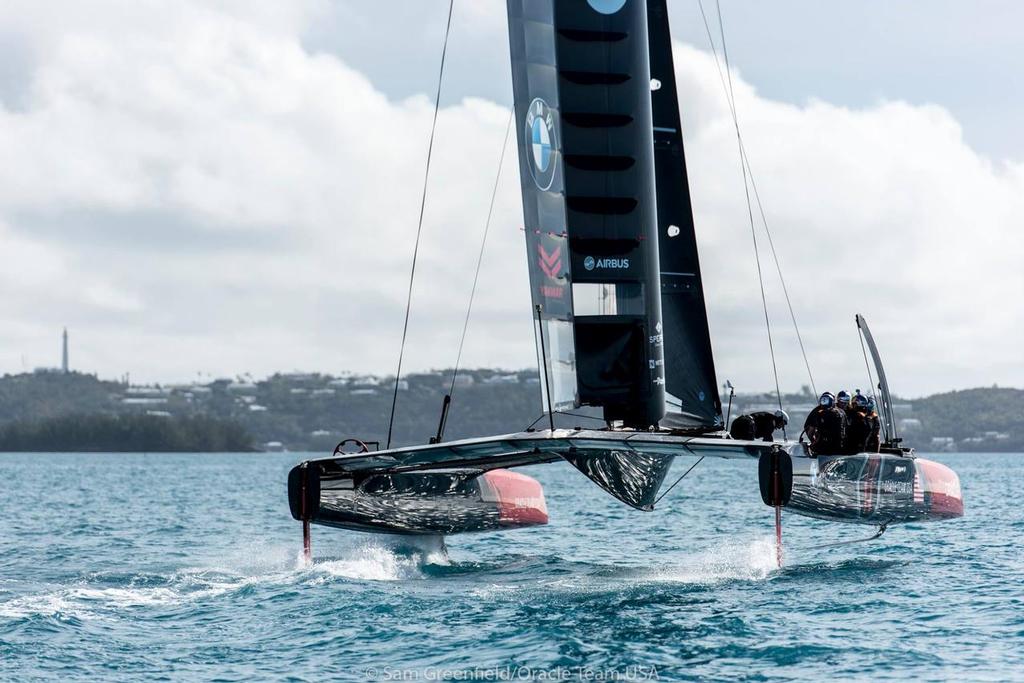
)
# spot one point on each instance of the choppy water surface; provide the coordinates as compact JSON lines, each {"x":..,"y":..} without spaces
{"x":187,"y":567}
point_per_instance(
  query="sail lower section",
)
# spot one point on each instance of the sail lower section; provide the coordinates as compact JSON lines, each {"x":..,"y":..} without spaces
{"x":581,"y":78}
{"x":632,"y":477}
{"x":694,"y":402}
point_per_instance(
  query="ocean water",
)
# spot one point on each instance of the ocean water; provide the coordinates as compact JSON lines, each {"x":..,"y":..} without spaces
{"x":187,"y":567}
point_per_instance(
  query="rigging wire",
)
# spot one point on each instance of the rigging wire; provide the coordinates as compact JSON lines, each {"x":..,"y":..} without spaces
{"x":665,"y":492}
{"x":730,"y":95}
{"x":480,"y":256}
{"x":419,"y":227}
{"x":562,"y":412}
{"x":871,"y":379}
{"x":745,"y":160}
{"x":534,"y":423}
{"x":878,"y":533}
{"x":778,"y":269}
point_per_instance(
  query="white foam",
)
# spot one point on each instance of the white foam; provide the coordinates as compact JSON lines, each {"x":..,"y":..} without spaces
{"x":384,"y":560}
{"x":46,"y":605}
{"x":89,"y":601}
{"x":125,"y":597}
{"x":729,"y":561}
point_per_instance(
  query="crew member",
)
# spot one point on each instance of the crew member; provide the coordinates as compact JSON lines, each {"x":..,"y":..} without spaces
{"x":759,"y":425}
{"x":874,"y":439}
{"x":843,"y":400}
{"x":811,"y":425}
{"x":826,"y":426}
{"x":858,"y":427}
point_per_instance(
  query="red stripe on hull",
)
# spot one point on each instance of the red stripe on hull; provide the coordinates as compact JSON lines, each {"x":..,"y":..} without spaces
{"x":947,"y":506}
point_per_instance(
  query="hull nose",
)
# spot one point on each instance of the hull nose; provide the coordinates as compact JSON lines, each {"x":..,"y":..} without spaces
{"x":941,"y":487}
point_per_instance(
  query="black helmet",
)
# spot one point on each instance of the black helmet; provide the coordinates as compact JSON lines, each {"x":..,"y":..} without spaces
{"x":827,"y":400}
{"x":843,"y":398}
{"x":781,"y":418}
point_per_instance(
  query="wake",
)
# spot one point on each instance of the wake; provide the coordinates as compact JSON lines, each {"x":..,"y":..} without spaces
{"x":112,"y":595}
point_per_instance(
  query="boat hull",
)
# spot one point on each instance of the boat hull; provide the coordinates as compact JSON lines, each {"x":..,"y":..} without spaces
{"x":874,"y":488}
{"x":429,"y":503}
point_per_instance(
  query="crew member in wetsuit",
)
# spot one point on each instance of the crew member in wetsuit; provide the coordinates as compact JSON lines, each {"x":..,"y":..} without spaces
{"x":813,"y":421}
{"x":858,"y":427}
{"x":874,"y":444}
{"x":760,"y":425}
{"x":843,"y":401}
{"x":826,"y":426}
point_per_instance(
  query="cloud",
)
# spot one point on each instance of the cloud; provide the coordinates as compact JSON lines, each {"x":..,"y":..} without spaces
{"x":190,"y":187}
{"x":883,"y":211}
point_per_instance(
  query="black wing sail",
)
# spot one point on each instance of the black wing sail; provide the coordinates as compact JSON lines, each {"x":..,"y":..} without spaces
{"x":581,"y":77}
{"x":694,"y":402}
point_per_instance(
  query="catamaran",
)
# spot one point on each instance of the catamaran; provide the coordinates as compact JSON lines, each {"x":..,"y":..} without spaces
{"x":620,"y":318}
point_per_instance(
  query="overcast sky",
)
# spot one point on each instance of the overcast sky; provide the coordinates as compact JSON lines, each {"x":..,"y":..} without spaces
{"x":221,"y":187}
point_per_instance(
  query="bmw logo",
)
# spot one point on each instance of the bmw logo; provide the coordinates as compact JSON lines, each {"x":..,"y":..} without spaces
{"x":588,"y":263}
{"x":540,"y":132}
{"x":607,"y":6}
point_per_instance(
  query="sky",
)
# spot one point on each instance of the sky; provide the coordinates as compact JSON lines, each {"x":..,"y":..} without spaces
{"x":207,"y":188}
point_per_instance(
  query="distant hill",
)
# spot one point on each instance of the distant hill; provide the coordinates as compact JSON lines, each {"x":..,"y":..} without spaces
{"x":312,"y":412}
{"x":124,"y":433}
{"x":977,"y":419}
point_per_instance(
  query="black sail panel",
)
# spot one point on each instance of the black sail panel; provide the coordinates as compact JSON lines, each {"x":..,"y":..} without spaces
{"x":632,"y":477}
{"x":581,"y":77}
{"x":689,"y":363}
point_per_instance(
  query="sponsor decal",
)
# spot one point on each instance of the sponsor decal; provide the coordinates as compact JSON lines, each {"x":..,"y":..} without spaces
{"x":550,"y":263}
{"x":590,"y":263}
{"x":700,"y":395}
{"x":540,"y":133}
{"x":897,"y":487}
{"x":656,"y":364}
{"x":607,"y":6}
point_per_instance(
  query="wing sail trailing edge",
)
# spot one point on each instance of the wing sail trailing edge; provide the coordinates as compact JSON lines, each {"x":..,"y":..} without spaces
{"x":689,"y":363}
